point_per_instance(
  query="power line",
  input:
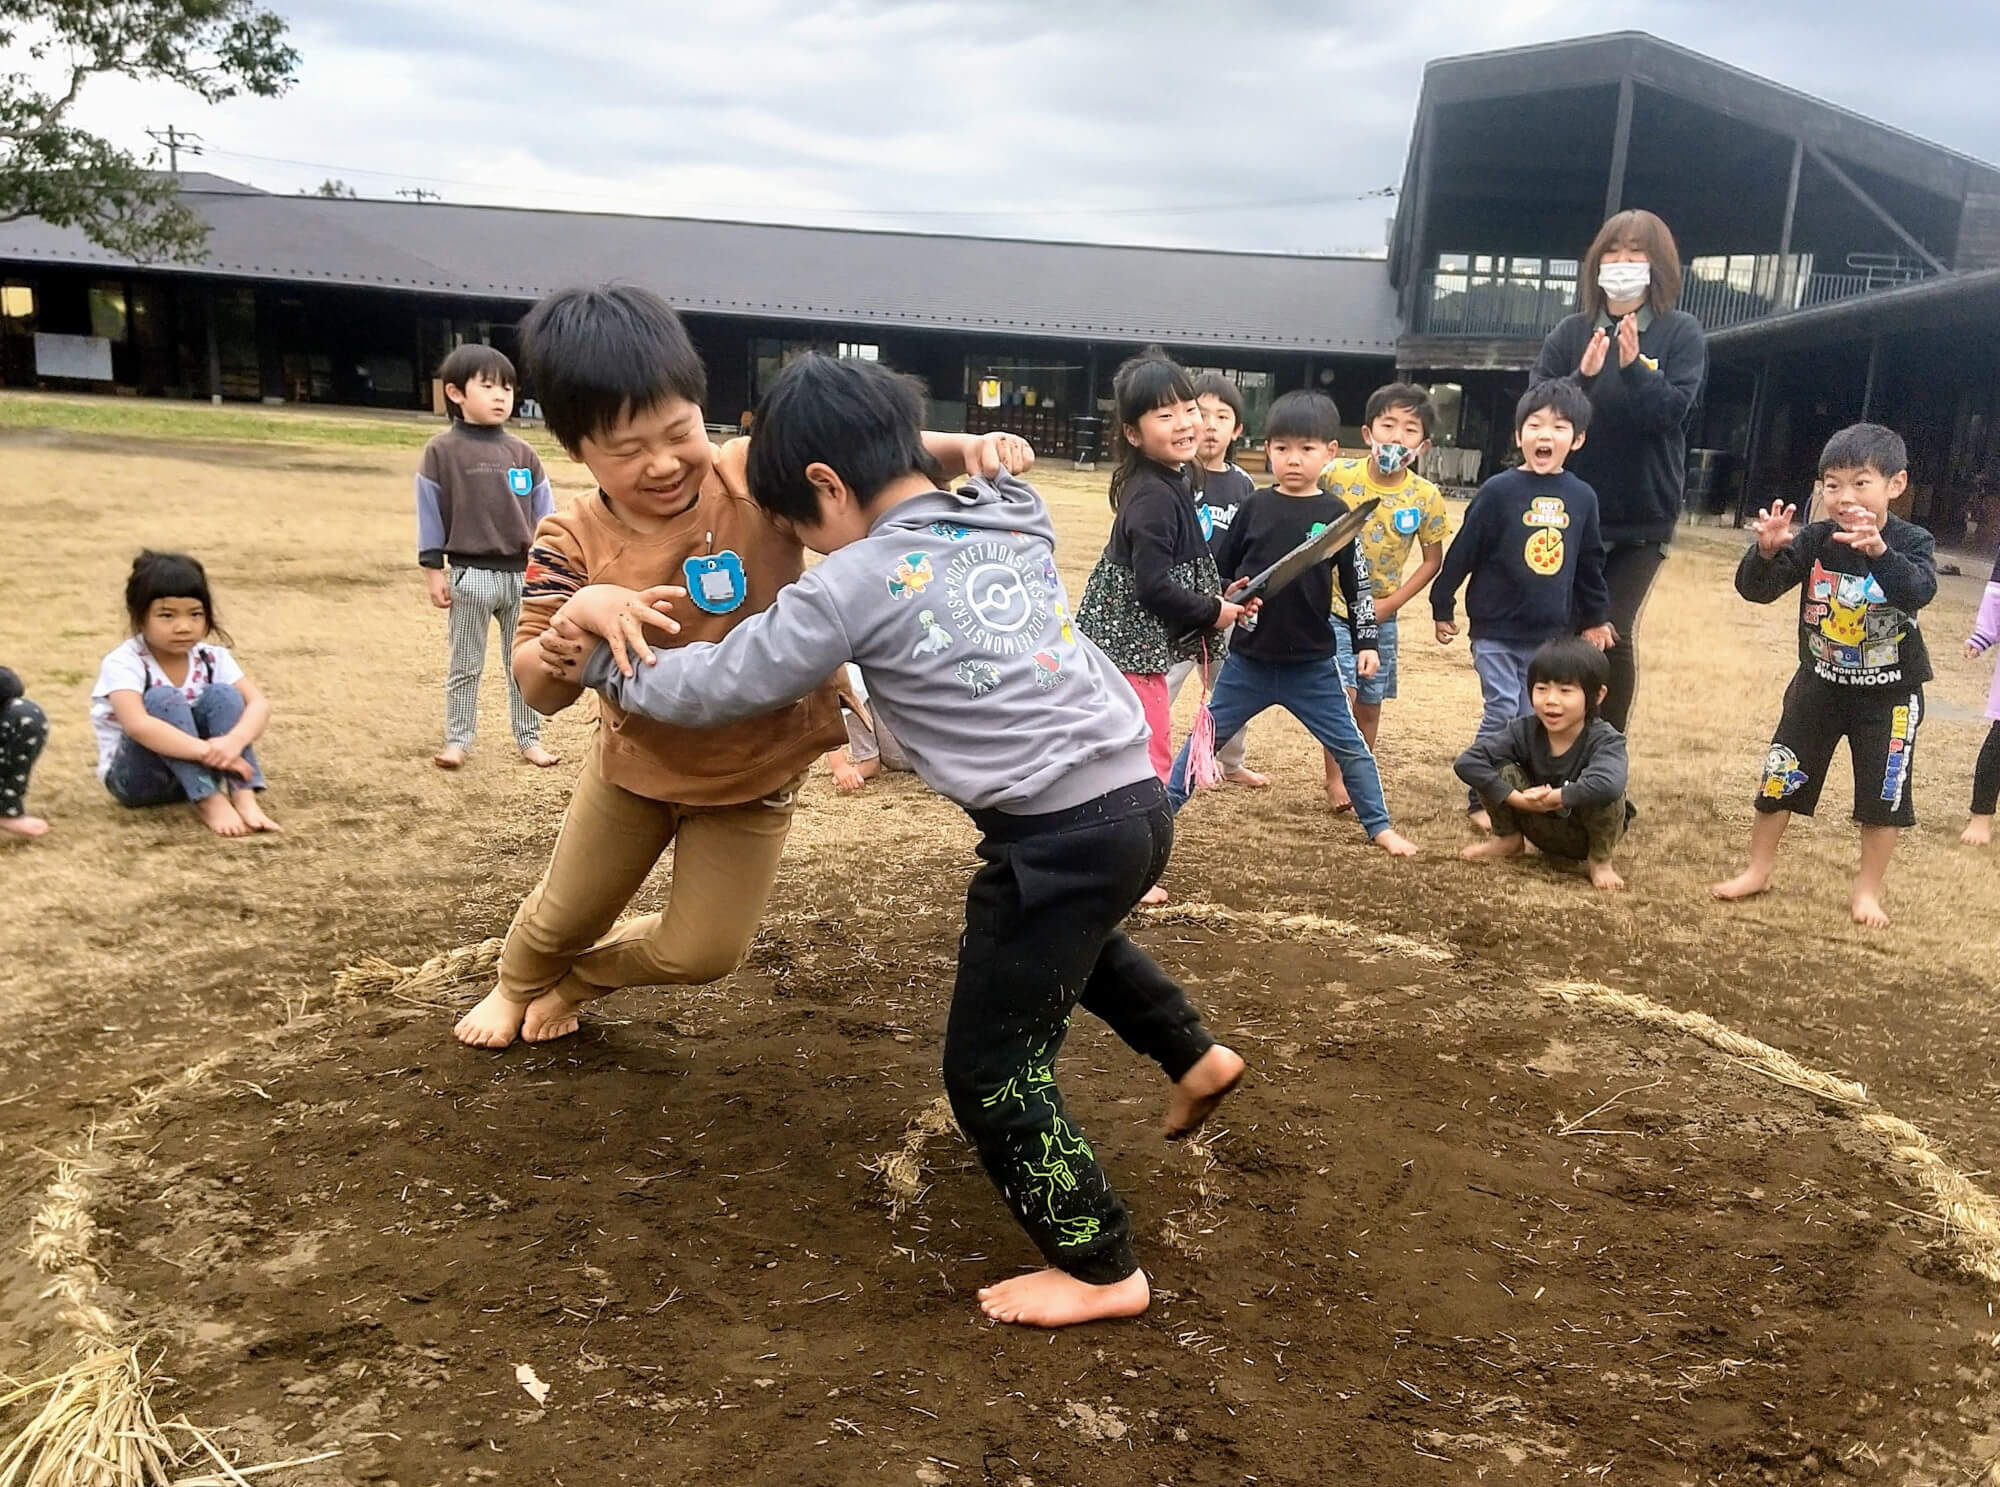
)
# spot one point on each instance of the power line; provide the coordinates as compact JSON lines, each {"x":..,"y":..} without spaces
{"x":418,"y":193}
{"x":1178,"y":209}
{"x":176,"y":140}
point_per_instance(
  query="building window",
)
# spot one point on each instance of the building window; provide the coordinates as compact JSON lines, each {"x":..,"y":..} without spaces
{"x":859,"y":351}
{"x":1257,"y":391}
{"x":108,"y":316}
{"x":17,"y":303}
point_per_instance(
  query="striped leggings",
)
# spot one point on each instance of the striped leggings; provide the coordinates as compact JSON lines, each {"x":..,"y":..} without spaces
{"x":478,"y":597}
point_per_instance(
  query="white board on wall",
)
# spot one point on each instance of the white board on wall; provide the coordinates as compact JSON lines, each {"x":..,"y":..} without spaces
{"x":86,"y":358}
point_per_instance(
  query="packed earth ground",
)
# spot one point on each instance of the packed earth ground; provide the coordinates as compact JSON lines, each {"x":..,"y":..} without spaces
{"x":1458,"y":1225}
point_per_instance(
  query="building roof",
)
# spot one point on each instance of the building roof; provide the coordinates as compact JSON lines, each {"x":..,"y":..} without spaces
{"x":1951,"y":300}
{"x":995,"y":286}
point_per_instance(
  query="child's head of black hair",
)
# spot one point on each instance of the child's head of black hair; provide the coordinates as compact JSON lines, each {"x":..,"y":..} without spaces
{"x":1305,"y":414}
{"x":1216,"y":385}
{"x":1561,"y":397}
{"x":168,"y":575}
{"x":861,"y":420}
{"x":1401,"y":395}
{"x":1150,"y":380}
{"x":1570,"y":660}
{"x":467,"y":364}
{"x":1866,"y":446}
{"x":596,"y":355}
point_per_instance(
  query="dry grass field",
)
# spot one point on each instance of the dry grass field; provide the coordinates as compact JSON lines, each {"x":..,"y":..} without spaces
{"x":1456,"y":1227}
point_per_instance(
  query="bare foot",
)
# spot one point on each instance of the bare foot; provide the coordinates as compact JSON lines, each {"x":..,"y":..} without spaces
{"x":24,"y":826}
{"x":491,"y":1024}
{"x":1049,"y":1298}
{"x":1200,"y":1090}
{"x":252,"y":813}
{"x":1249,"y":779}
{"x":1498,"y":846}
{"x":1868,"y":911}
{"x":1746,"y":884}
{"x":845,"y":775}
{"x":1978,"y":832}
{"x":1153,"y":897}
{"x":1603,"y":875}
{"x":1395,"y":843}
{"x":1479,"y":819}
{"x":1338,"y":800}
{"x":550,"y":1016}
{"x":534,"y":753}
{"x":220,"y":816}
{"x":449,"y":757}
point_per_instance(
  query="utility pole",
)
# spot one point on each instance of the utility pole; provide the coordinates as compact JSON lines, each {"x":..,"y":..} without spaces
{"x":418,"y":193}
{"x":176,"y":140}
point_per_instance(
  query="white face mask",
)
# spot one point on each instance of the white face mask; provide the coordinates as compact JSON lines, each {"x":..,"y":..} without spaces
{"x":1624,"y":282}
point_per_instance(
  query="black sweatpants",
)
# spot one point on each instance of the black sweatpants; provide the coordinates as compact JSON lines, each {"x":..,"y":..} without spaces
{"x":1986,"y":774}
{"x":1881,"y":734}
{"x":1629,"y":571}
{"x":24,"y":728}
{"x":1041,"y":934}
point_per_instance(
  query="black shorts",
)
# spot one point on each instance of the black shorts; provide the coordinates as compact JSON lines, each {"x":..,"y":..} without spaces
{"x":1881,"y":733}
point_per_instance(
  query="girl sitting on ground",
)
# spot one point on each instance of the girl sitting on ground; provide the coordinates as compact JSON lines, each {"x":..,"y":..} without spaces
{"x":24,"y":728}
{"x":175,"y":715}
{"x":1986,"y":773}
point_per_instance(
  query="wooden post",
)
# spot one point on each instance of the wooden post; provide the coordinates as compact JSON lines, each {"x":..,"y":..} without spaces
{"x":1868,"y":383}
{"x":208,"y":314}
{"x":1621,"y":149}
{"x":1423,"y":262}
{"x":1760,"y":408}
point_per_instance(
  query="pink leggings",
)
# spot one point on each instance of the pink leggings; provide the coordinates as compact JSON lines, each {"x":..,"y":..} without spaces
{"x":1151,"y":691}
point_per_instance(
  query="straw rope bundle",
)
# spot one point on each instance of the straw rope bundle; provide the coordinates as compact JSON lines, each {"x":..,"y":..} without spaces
{"x":374,"y":976}
{"x":902,"y":1171}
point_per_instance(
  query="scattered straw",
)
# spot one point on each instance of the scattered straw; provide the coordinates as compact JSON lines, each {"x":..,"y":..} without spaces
{"x":1971,"y":1217}
{"x":902,"y":1171}
{"x":1311,"y":925}
{"x":374,"y":976}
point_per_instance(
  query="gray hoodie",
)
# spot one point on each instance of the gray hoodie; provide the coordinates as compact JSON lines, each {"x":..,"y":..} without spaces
{"x":952,"y":609}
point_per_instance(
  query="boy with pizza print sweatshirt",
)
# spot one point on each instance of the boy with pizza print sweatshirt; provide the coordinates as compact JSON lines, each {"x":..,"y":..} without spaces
{"x":1531,"y":546}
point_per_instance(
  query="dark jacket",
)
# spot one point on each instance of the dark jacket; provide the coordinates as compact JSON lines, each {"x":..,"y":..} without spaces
{"x":1634,"y":454}
{"x":1592,"y":773}
{"x":1153,"y":598}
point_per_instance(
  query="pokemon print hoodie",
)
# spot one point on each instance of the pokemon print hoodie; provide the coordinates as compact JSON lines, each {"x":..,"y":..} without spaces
{"x":1856,"y":613}
{"x":952,"y":608}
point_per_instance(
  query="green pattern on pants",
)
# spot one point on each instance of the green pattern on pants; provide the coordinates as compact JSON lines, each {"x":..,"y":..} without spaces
{"x":1053,"y":1177}
{"x":1591,"y":832}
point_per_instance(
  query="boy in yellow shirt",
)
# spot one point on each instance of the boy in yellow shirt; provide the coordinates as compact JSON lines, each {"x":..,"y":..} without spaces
{"x":1397,"y":425}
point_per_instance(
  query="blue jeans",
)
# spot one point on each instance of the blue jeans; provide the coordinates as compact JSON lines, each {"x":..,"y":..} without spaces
{"x":1503,"y":683}
{"x":1310,"y":691}
{"x":1376,"y":689}
{"x":139,"y":777}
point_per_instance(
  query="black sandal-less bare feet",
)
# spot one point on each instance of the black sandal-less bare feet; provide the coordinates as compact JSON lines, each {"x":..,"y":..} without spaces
{"x":1197,"y":1092}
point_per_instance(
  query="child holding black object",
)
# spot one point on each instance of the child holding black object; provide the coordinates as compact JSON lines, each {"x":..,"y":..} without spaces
{"x":950,"y":603}
{"x":1862,"y":575}
{"x":1556,"y":777}
{"x":1530,"y":545}
{"x":1286,"y":656}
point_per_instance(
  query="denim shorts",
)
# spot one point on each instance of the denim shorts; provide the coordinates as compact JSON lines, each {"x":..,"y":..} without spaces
{"x":1379,"y":688}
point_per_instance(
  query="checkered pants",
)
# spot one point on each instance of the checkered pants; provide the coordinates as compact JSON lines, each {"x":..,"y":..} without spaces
{"x":478,"y":597}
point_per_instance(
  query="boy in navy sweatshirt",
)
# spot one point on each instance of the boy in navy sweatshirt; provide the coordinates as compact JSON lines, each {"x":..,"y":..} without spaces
{"x":1862,"y":575}
{"x":1284,"y":655}
{"x":950,"y":604}
{"x":1530,"y":545}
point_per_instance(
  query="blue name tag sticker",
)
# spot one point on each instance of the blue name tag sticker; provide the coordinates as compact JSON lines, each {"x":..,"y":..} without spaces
{"x":1206,"y":516}
{"x":1408,"y":519}
{"x":521,"y":481}
{"x":716,"y":583}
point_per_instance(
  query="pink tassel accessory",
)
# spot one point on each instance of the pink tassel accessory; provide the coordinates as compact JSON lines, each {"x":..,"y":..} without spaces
{"x":1204,"y":769}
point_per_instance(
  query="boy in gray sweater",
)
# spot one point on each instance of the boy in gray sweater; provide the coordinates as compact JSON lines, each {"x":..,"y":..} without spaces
{"x":950,"y":604}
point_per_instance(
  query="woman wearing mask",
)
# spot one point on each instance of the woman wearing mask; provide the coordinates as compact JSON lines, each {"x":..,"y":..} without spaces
{"x":1642,"y":363}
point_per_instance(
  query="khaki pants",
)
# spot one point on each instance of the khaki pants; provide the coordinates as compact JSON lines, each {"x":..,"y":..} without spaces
{"x":725,"y":858}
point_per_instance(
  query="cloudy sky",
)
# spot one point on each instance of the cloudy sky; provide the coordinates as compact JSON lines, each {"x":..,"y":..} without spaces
{"x":1238,"y":123}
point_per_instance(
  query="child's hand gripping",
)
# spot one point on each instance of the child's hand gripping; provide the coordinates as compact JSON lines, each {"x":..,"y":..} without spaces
{"x":1542,"y":800}
{"x":1446,"y":631}
{"x":1231,"y":611}
{"x":618,"y":616}
{"x":989,"y":454}
{"x":1774,"y":528}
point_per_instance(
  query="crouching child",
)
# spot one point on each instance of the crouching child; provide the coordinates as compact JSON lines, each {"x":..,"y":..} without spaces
{"x":950,"y":604}
{"x":1555,"y":778}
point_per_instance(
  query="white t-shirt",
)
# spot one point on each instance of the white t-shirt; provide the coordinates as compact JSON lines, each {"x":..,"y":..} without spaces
{"x":131,"y":668}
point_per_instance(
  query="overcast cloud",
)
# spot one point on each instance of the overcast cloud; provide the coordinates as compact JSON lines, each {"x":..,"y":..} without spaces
{"x":1241,"y":124}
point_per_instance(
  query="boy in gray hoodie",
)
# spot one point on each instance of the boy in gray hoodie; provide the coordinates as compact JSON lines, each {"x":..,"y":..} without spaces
{"x":950,"y":604}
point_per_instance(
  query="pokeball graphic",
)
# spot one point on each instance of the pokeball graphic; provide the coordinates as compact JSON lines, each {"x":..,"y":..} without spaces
{"x":715,"y":583}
